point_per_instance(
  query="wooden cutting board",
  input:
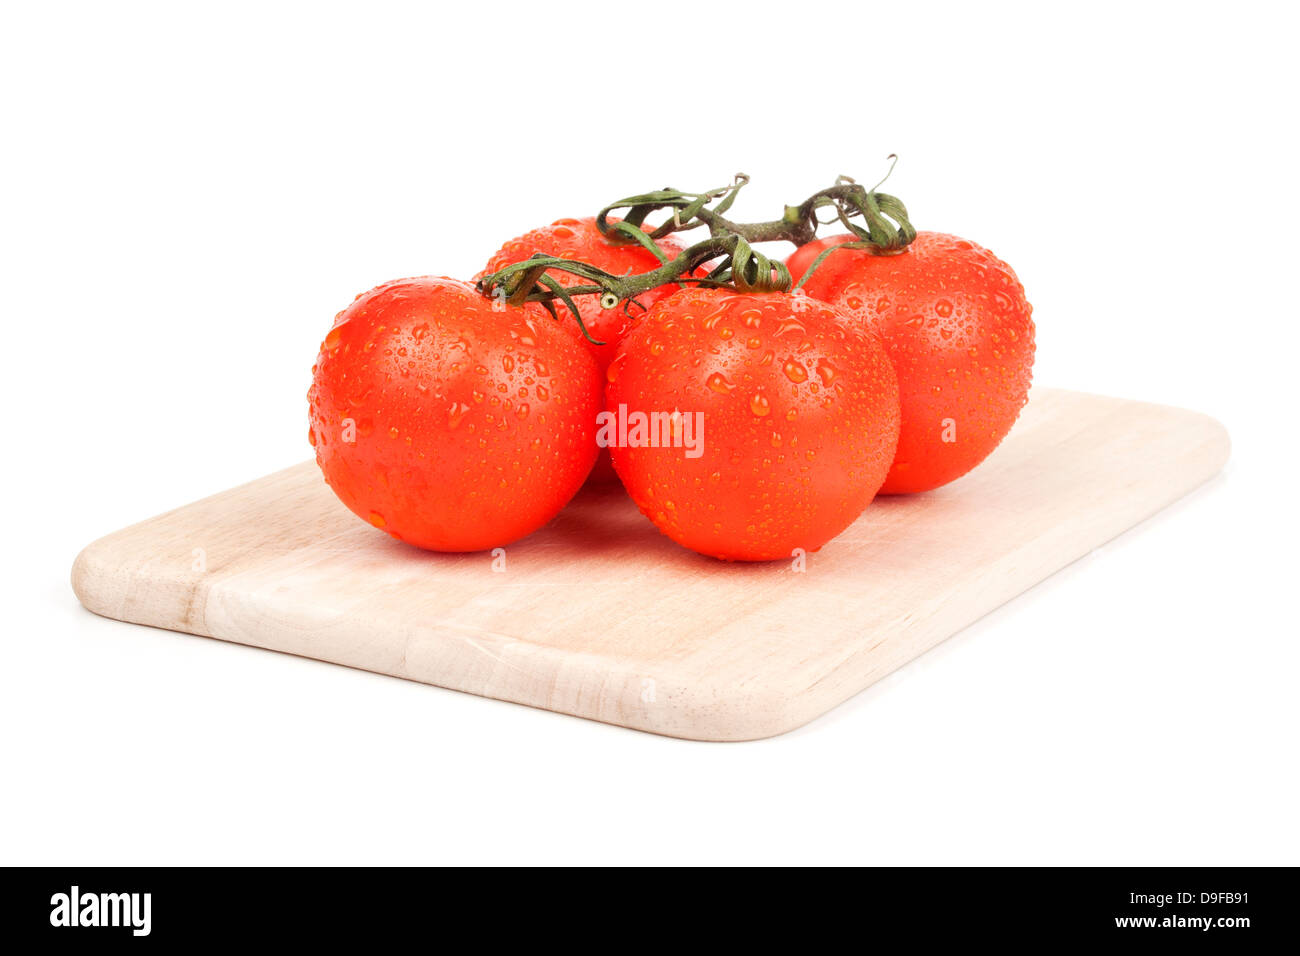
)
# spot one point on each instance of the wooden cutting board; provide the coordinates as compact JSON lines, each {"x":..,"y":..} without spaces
{"x":600,"y":616}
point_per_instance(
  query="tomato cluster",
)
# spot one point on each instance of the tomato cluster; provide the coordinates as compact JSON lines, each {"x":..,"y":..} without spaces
{"x":746,"y":424}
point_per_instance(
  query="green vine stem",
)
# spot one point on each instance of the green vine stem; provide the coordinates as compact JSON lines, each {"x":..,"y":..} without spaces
{"x":884,"y":229}
{"x":728,"y":252}
{"x":738,"y":265}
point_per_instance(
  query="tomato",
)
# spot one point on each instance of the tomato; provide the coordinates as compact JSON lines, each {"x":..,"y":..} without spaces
{"x":777,"y":421}
{"x":960,"y":334}
{"x":450,"y":421}
{"x":580,"y":239}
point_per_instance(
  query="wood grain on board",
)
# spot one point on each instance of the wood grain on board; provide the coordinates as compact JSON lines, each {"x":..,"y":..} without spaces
{"x":600,"y":616}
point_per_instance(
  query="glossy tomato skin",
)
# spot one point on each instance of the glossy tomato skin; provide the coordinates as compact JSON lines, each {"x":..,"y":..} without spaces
{"x":579,"y":239}
{"x":451,"y":424}
{"x":960,"y":334}
{"x":799,"y":412}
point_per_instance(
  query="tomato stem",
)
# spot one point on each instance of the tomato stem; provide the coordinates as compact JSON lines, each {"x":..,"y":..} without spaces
{"x":732,"y":262}
{"x":885,"y":227}
{"x":728,"y":252}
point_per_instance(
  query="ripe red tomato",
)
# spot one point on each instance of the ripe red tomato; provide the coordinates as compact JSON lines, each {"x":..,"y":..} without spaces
{"x":958,"y":329}
{"x":787,"y":419}
{"x":580,"y":239}
{"x":450,"y":421}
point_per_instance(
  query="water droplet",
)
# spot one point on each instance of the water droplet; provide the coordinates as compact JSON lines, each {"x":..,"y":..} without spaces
{"x":759,"y":405}
{"x":794,"y":371}
{"x":456,"y":412}
{"x":826,"y":372}
{"x":944,"y":308}
{"x":334,"y":337}
{"x":377,"y":520}
{"x":719,"y":384}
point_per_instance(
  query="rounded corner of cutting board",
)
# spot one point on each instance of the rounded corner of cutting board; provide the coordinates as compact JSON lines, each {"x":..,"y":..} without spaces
{"x":726,"y":714}
{"x":1220,"y":441}
{"x":94,"y":578}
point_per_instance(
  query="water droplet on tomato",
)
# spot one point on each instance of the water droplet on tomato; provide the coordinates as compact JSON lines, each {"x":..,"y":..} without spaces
{"x":759,"y":405}
{"x":794,"y":371}
{"x":719,"y":384}
{"x":377,"y":520}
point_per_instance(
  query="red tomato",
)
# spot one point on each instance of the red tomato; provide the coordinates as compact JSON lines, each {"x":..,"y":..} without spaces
{"x":787,"y":419}
{"x":958,"y":329}
{"x":580,"y":239}
{"x":450,"y":421}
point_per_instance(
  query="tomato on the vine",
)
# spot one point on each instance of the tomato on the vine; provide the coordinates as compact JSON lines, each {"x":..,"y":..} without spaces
{"x":777,"y":421}
{"x":959,"y":332}
{"x":451,"y":421}
{"x":579,"y":239}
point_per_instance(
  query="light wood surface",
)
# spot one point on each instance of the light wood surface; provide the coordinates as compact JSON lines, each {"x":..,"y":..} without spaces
{"x":600,"y":616}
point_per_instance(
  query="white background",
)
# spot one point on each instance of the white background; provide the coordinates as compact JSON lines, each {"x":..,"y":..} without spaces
{"x":189,"y":197}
